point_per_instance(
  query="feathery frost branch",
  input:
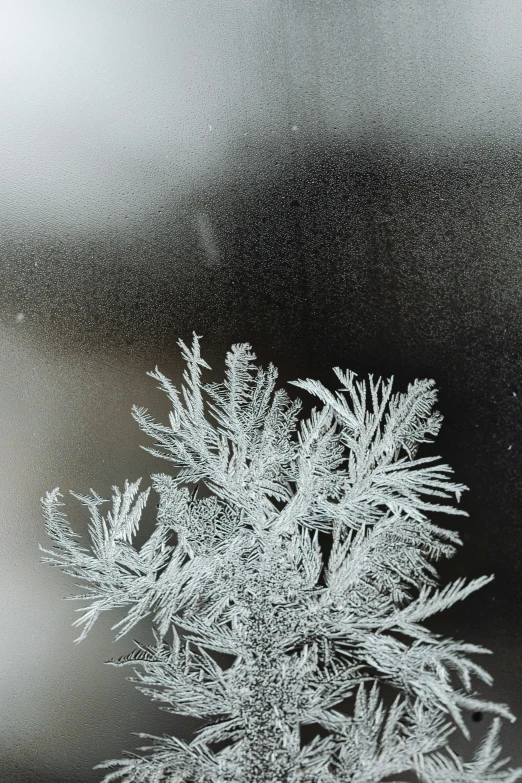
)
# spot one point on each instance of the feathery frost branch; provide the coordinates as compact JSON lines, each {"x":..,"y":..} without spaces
{"x":260,"y":628}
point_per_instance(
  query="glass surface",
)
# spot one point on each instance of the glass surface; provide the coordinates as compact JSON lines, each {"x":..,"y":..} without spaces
{"x":337,"y":183}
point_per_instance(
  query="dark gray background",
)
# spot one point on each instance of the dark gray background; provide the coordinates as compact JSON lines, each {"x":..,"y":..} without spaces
{"x":336,"y":182}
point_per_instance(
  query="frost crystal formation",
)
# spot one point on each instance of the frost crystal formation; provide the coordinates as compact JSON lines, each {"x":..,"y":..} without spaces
{"x":289,"y":578}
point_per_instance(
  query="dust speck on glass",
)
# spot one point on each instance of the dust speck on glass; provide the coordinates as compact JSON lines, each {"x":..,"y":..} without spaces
{"x":288,"y":580}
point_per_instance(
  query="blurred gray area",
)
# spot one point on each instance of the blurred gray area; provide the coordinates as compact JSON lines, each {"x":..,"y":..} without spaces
{"x":337,"y":183}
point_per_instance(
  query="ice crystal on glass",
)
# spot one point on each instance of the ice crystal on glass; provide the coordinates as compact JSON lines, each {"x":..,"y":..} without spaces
{"x":289,"y":580}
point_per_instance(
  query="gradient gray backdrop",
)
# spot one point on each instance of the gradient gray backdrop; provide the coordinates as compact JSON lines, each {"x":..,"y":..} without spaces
{"x":337,"y":182}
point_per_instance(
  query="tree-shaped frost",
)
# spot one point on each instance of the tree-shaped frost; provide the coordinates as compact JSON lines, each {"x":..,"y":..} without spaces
{"x":289,"y":577}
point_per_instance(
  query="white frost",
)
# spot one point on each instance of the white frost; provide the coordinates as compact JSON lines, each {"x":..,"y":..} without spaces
{"x":303,"y":550}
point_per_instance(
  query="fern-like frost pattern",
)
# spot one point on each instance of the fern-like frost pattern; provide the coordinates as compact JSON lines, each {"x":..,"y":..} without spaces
{"x":288,"y":580}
